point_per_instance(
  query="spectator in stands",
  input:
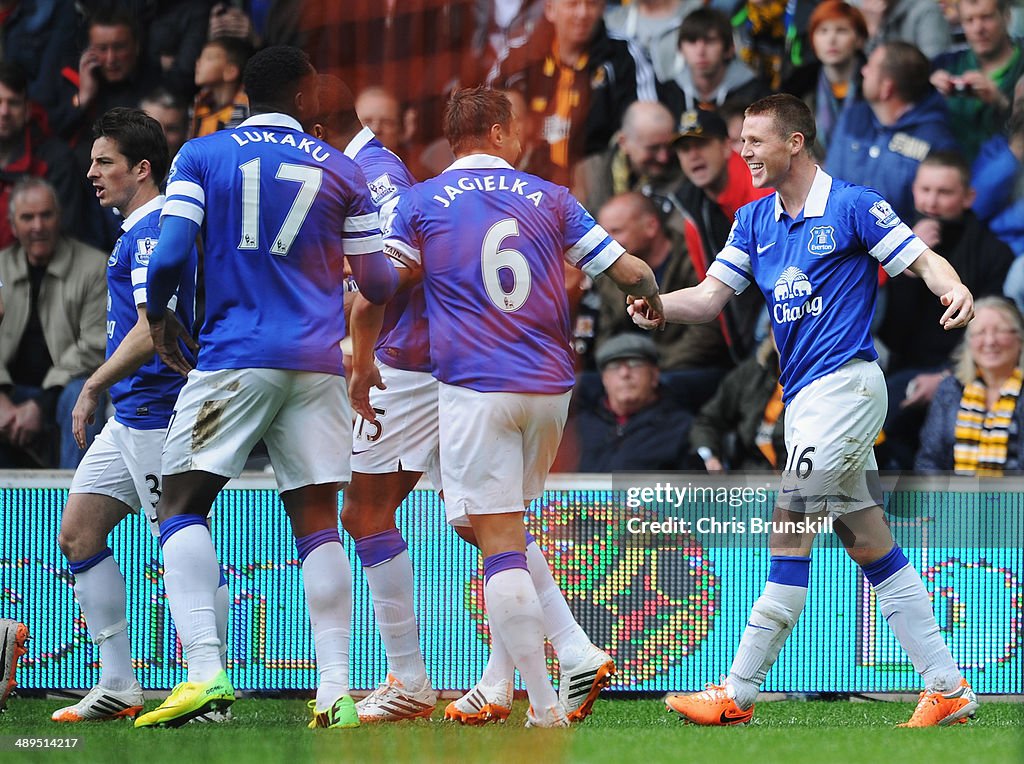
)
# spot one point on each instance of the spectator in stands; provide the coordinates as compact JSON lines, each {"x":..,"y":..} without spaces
{"x":881,"y":139}
{"x":172,"y":115}
{"x":837,"y":32}
{"x":712,"y":73}
{"x":379,"y":110}
{"x":976,"y":419}
{"x":764,"y":32}
{"x":578,"y":81}
{"x":694,"y":354}
{"x":742,"y":426}
{"x":221,"y":101}
{"x":978,"y":82}
{"x":918,"y":22}
{"x":640,"y":159}
{"x":501,"y":27}
{"x":636,"y":426}
{"x":654,"y":26}
{"x":54,"y":333}
{"x":109,"y":73}
{"x":173,"y":34}
{"x":25,"y":151}
{"x":732,"y":113}
{"x":920,"y":351}
{"x":36,"y":35}
{"x":998,"y":179}
{"x":716,"y":183}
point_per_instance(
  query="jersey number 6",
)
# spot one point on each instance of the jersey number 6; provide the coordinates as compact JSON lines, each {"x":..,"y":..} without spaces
{"x":494,"y":259}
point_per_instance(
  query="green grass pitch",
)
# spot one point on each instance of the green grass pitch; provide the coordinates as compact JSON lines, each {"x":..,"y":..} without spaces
{"x":271,"y":731}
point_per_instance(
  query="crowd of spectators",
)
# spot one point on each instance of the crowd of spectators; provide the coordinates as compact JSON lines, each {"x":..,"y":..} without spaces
{"x":636,"y":106}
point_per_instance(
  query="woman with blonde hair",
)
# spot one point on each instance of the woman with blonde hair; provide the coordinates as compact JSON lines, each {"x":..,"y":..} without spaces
{"x":976,"y":419}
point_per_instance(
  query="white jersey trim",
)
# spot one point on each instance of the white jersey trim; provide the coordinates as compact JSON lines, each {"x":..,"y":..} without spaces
{"x":152,"y":205}
{"x":728,"y":276}
{"x":410,"y":253}
{"x":906,"y":257}
{"x":182,"y":209}
{"x":890,"y":242}
{"x":355,"y":145}
{"x":604,"y":259}
{"x":364,"y":246}
{"x":359,"y":223}
{"x":187,"y":188}
{"x":586,"y":245}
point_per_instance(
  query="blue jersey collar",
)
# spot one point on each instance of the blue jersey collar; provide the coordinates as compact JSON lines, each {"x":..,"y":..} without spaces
{"x":153,"y":205}
{"x":817,"y":196}
{"x":355,"y":145}
{"x":273,"y":119}
{"x":479,"y":162}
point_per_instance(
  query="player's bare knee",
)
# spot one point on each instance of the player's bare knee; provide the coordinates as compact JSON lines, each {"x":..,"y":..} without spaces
{"x":80,"y":542}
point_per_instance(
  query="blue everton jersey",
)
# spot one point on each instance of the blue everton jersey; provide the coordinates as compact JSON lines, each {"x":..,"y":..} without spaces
{"x":145,"y":399}
{"x":278,"y":210}
{"x":403,"y":341}
{"x":818,"y":272}
{"x":492,"y":241}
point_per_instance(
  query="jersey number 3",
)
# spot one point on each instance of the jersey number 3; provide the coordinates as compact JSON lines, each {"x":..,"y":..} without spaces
{"x":494,"y":259}
{"x":310,"y":179}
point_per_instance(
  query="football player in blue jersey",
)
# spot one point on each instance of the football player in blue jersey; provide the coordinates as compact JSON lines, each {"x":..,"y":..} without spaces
{"x":491,"y":242}
{"x":120,"y":472}
{"x":395,"y":442}
{"x":813,"y":248}
{"x":289,"y":209}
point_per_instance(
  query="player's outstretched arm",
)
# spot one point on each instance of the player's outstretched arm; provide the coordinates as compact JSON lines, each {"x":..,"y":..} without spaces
{"x":693,"y":305}
{"x":635,"y":277}
{"x":944,"y":283}
{"x":135,"y":349}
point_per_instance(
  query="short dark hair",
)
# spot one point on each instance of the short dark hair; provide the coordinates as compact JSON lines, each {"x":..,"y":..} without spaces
{"x":273,"y":76}
{"x":790,"y":115}
{"x":337,"y":104}
{"x":13,"y":77}
{"x":704,"y":23}
{"x":236,"y":50}
{"x":138,"y":137}
{"x":113,"y":15}
{"x":954,"y":160}
{"x":908,"y":68}
{"x":471,"y":112}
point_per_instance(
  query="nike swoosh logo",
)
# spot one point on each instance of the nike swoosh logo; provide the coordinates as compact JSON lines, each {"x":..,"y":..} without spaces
{"x":790,"y":490}
{"x":761,"y":249}
{"x":728,"y":717}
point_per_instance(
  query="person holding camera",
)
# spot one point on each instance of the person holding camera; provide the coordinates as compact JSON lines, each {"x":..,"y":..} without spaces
{"x":978,"y":81}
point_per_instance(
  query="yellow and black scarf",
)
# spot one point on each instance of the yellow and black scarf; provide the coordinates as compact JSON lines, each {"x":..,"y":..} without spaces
{"x":983,"y":436}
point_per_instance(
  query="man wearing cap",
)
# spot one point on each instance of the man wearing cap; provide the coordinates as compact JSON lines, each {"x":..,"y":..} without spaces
{"x":716,"y":184}
{"x":634,"y":426}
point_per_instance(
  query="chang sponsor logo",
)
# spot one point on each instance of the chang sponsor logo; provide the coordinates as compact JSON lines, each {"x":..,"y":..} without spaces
{"x":794,"y":297}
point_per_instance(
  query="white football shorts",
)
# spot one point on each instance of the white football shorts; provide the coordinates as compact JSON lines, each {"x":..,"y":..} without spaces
{"x":303,"y":417}
{"x":496,"y":448}
{"x":124,"y":463}
{"x":405,"y":436}
{"x":831,"y":429}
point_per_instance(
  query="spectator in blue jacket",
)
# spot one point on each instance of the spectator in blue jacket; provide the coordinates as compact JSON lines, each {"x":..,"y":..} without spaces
{"x":881,"y":138}
{"x":998,"y":179}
